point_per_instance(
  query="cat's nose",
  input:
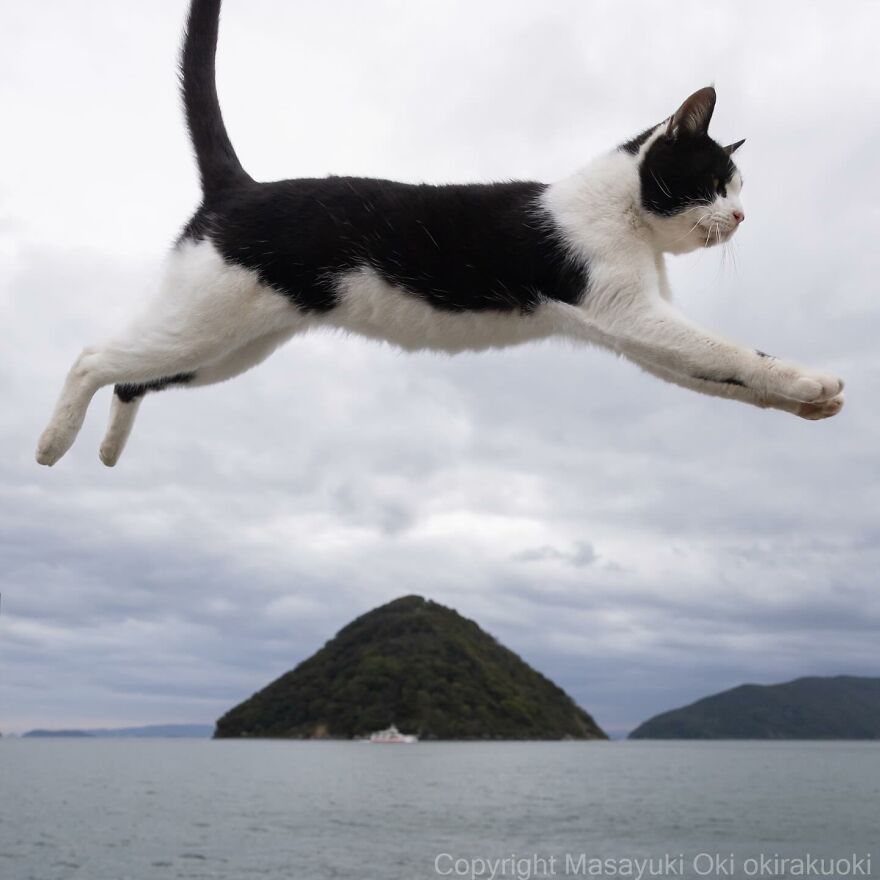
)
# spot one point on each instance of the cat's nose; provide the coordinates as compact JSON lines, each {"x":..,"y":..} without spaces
{"x":739,"y":216}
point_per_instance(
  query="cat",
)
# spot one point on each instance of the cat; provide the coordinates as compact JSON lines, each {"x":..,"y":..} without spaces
{"x":447,"y":268}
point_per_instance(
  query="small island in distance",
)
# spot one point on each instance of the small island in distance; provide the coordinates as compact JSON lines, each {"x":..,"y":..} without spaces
{"x":839,"y":707}
{"x":421,"y":666}
{"x":150,"y":731}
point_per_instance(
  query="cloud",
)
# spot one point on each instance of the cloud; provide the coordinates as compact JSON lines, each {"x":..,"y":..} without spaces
{"x":639,"y":544}
{"x":581,"y":554}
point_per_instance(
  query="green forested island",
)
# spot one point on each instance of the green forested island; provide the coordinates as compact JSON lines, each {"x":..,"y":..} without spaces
{"x":421,"y":666}
{"x":842,"y":707}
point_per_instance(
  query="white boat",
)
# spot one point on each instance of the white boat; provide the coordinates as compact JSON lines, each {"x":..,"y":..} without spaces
{"x":392,"y":736}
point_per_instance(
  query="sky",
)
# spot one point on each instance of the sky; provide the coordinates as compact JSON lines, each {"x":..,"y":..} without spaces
{"x":641,"y":545}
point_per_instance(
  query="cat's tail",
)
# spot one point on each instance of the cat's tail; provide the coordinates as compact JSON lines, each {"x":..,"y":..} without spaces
{"x":218,"y":165}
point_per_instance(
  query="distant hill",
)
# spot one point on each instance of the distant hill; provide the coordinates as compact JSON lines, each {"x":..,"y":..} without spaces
{"x":418,"y":665}
{"x":164,"y":731}
{"x":56,"y":733}
{"x":173,"y":731}
{"x":843,"y":707}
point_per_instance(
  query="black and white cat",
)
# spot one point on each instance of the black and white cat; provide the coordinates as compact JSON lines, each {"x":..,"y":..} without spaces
{"x":445,"y":268}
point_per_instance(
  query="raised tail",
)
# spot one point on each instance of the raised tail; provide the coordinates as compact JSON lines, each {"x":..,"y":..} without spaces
{"x":218,"y":165}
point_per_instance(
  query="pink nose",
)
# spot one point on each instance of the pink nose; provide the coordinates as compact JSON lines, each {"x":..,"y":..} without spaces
{"x":739,"y":216}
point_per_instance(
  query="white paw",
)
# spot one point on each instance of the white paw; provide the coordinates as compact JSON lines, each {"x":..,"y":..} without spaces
{"x":109,"y":452}
{"x":824,"y":409}
{"x":59,"y":435}
{"x":817,"y":386}
{"x":52,"y":445}
{"x":808,"y":386}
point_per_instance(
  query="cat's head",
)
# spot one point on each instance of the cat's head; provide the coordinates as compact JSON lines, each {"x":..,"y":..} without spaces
{"x":690,"y":187}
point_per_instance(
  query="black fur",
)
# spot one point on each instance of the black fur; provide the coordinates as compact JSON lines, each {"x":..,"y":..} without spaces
{"x":684,"y":166}
{"x":218,"y":165}
{"x":129,"y":391}
{"x":459,"y":247}
{"x":676,"y":173}
{"x":635,"y":144}
{"x":729,"y":381}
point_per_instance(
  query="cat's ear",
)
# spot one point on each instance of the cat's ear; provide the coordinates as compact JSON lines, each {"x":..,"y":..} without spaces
{"x":694,"y":115}
{"x":730,"y":149}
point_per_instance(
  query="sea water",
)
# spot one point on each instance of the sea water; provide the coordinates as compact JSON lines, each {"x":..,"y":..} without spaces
{"x":111,"y":810}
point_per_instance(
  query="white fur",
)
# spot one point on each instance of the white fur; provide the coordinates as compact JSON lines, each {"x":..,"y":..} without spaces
{"x":209,"y":317}
{"x":217,"y":320}
{"x":628,"y":308}
{"x":373,"y":308}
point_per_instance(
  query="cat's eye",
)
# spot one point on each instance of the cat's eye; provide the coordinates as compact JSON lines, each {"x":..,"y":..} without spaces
{"x":716,"y":183}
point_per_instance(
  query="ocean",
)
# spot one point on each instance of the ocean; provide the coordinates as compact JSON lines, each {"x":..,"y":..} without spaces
{"x":135,"y":809}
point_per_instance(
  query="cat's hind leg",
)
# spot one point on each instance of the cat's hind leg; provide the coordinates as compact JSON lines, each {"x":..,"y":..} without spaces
{"x":122,"y":414}
{"x":123,"y":409}
{"x":206,"y":310}
{"x":69,"y":413}
{"x":127,"y":398}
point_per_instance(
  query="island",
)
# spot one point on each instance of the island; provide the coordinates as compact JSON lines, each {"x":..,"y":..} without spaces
{"x":839,"y":707}
{"x":420,"y":666}
{"x":56,"y":734}
{"x":150,"y":731}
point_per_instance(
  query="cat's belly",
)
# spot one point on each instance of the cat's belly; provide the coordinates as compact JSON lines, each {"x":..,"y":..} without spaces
{"x":369,"y":306}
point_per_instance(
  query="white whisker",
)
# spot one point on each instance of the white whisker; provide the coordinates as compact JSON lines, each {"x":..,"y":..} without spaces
{"x":677,"y":240}
{"x":663,"y":189}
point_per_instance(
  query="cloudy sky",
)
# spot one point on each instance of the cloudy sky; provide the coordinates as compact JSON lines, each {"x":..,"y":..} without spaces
{"x":638,"y":543}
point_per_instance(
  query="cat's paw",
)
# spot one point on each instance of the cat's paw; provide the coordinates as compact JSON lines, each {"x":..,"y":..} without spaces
{"x":807,"y":386}
{"x":52,"y":445}
{"x":110,"y":451}
{"x":824,"y":409}
{"x":59,"y":435}
{"x":815,"y":387}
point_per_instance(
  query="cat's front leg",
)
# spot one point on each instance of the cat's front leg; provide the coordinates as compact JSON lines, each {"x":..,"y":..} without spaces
{"x":655,"y":332}
{"x":811,"y":411}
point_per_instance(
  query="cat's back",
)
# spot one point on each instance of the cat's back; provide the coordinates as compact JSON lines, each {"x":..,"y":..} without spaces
{"x":349,"y":206}
{"x":460,"y":247}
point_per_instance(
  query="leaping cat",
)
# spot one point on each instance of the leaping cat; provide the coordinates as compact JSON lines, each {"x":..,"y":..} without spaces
{"x":446,"y":268}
